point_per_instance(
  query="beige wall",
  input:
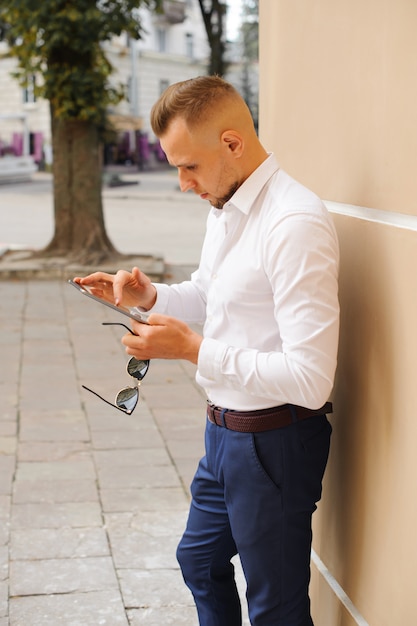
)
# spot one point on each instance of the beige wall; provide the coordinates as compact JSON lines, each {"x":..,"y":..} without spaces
{"x":338,"y":105}
{"x":344,"y":78}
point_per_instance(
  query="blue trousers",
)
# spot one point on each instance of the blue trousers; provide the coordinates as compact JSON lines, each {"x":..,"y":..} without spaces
{"x":254,"y":494}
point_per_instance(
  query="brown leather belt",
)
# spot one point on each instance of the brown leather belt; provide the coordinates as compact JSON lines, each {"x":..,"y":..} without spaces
{"x":263,"y":419}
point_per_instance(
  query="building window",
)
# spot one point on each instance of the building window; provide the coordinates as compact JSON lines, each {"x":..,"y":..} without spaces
{"x":29,"y":91}
{"x":163,"y":84}
{"x":189,"y":45}
{"x":162,"y":39}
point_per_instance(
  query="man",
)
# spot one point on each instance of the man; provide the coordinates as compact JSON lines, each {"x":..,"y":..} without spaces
{"x":266,"y":290}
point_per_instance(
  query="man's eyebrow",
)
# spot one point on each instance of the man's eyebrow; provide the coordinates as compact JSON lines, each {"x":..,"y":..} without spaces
{"x":186,"y":165}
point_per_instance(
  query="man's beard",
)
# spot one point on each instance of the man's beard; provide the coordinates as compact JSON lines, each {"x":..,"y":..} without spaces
{"x":220,"y":202}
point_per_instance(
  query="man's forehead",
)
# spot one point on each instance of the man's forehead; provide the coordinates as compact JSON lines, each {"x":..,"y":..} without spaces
{"x":176,"y":135}
{"x":182,"y":145}
{"x":178,"y":127}
{"x":178,"y":152}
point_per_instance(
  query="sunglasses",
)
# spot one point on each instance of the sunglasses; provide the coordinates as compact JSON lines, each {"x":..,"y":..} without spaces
{"x":127,"y":398}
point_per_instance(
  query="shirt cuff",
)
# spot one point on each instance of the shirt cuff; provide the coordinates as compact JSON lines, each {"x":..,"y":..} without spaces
{"x":162,"y":296}
{"x":210,"y":358}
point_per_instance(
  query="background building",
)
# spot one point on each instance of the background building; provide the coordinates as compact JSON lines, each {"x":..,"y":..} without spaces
{"x":338,"y":97}
{"x":174,"y":48}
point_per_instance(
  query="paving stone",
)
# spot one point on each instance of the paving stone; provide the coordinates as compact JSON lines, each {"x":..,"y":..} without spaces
{"x":4,"y":532}
{"x":147,"y":476}
{"x":136,"y":500}
{"x":137,"y":550}
{"x":61,"y":543}
{"x":4,"y":562}
{"x":39,"y":329}
{"x":81,"y":469}
{"x":53,"y":451}
{"x":102,"y":418}
{"x":122,"y":519}
{"x":7,"y":468}
{"x":4,"y":594}
{"x":53,"y":425}
{"x":10,"y":340}
{"x":117,"y":439}
{"x":147,"y":542}
{"x":41,"y":490}
{"x":8,"y":426}
{"x":8,"y":445}
{"x":50,"y":576}
{"x":167,"y":372}
{"x":173,"y":521}
{"x":47,"y":402}
{"x":134,"y":458}
{"x":5,"y":503}
{"x":56,"y":515}
{"x":98,"y":608}
{"x":8,"y":413}
{"x":186,"y":469}
{"x":186,"y":448}
{"x":154,"y":588}
{"x":166,"y":616}
{"x":155,"y":524}
{"x":178,"y":395}
{"x":185,"y":425}
{"x":98,"y":496}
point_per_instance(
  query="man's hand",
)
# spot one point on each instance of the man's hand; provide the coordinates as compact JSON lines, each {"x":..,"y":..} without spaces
{"x":163,"y":338}
{"x":127,"y":288}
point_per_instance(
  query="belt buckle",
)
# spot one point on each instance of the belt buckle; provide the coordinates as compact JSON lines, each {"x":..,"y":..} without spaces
{"x":211,"y":411}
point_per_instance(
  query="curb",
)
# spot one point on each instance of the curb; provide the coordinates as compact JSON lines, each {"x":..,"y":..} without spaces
{"x":19,"y":265}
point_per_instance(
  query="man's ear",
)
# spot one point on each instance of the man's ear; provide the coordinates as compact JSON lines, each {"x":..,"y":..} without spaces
{"x":233,"y":142}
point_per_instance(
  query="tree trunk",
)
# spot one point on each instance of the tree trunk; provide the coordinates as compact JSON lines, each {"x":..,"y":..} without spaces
{"x":80,"y":232}
{"x":214,"y":14}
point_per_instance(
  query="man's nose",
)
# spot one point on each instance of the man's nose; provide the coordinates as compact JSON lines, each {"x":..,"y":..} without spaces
{"x":186,"y":181}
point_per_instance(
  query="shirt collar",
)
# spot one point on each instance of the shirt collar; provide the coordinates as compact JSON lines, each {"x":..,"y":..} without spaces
{"x":244,"y":197}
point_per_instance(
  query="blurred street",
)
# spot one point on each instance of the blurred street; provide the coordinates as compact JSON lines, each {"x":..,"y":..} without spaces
{"x":148,"y":216}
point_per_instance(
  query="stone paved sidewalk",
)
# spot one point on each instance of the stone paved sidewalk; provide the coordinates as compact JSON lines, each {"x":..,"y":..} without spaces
{"x":92,"y":502}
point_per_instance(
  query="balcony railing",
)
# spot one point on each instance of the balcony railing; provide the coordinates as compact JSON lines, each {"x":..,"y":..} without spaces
{"x":174,"y":11}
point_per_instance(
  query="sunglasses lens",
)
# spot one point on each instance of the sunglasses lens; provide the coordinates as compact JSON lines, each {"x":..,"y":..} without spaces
{"x":127,"y":399}
{"x":137,"y":368}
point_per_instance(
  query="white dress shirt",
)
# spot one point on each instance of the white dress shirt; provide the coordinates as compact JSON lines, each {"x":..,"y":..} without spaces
{"x":266,"y":291}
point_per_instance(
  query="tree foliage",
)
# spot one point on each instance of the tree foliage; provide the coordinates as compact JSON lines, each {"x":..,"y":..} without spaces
{"x":61,"y":42}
